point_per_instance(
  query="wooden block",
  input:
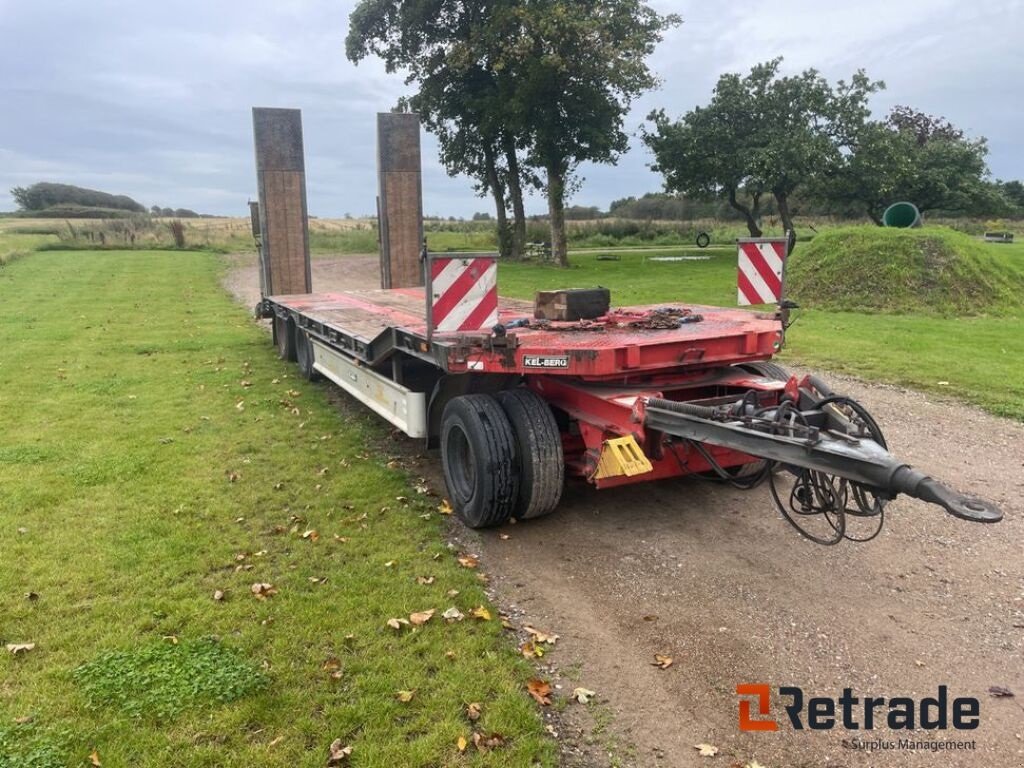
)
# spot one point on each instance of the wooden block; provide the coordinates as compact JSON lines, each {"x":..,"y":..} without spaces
{"x":572,"y":304}
{"x":400,"y":200}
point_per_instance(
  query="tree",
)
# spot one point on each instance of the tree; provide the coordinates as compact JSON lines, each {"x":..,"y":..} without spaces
{"x":448,"y":50}
{"x":761,"y":134}
{"x":45,"y":195}
{"x":580,"y":64}
{"x":502,"y":81}
{"x":1013,"y":191}
{"x":916,"y":157}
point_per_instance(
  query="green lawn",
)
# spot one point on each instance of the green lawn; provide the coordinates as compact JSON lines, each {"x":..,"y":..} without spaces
{"x":977,"y":359}
{"x":153,"y":451}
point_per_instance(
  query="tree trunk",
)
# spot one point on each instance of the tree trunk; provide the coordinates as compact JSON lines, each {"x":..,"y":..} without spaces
{"x":515,"y":189}
{"x":873,"y":215}
{"x":556,"y":211}
{"x":750,"y":215}
{"x":500,"y":204}
{"x":782,"y":198}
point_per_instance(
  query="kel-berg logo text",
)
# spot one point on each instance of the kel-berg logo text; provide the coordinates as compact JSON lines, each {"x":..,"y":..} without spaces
{"x":849,"y":712}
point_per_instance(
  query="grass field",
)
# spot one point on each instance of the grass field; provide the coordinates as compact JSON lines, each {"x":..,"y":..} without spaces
{"x":154,"y":452}
{"x":977,"y":359}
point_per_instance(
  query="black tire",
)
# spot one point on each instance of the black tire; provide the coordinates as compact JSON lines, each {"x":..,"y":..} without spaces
{"x":284,"y":331}
{"x":304,"y":356}
{"x":538,"y":451}
{"x":768,"y":370}
{"x":703,"y":240}
{"x":479,"y":458}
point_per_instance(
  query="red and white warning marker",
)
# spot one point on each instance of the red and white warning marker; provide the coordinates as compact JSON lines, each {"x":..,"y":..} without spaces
{"x":762,"y":265}
{"x":463,"y":293}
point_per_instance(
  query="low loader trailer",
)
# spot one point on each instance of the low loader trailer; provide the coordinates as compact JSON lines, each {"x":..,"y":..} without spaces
{"x":615,"y":397}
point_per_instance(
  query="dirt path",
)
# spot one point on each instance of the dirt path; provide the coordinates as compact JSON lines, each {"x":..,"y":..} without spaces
{"x":716,"y":579}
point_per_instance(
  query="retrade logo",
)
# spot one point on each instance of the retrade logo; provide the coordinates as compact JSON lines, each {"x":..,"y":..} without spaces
{"x":853,"y":713}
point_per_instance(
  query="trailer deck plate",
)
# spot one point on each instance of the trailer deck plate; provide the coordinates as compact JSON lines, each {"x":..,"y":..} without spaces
{"x":723,"y":336}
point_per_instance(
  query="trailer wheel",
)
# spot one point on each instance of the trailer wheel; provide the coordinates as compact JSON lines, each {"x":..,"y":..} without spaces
{"x":304,"y":356}
{"x":284,"y":331}
{"x":479,"y":459}
{"x":768,"y":370}
{"x":539,"y":452}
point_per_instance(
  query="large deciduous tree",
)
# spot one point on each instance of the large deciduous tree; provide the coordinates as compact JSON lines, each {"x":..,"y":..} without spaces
{"x":915,"y":157}
{"x":761,"y":133}
{"x":503,"y":81}
{"x":579,"y":64}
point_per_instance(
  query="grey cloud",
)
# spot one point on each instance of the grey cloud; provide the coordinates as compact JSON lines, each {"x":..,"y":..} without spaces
{"x":153,"y":100}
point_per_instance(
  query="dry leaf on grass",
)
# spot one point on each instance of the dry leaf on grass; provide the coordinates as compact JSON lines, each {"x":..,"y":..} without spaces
{"x":16,"y":648}
{"x":473,"y":710}
{"x":405,"y":696}
{"x":312,"y":534}
{"x":398,"y":623}
{"x":333,"y":667}
{"x":421,"y":617}
{"x":662,"y":662}
{"x":94,"y":758}
{"x":275,"y":742}
{"x":31,"y":596}
{"x":706,"y":750}
{"x":487,"y":743}
{"x":540,"y":690}
{"x":453,"y":614}
{"x":445,"y":507}
{"x":468,"y":561}
{"x":262,"y":591}
{"x":461,"y":744}
{"x":582,"y":695}
{"x":218,"y":595}
{"x":480,"y":612}
{"x":337,"y":753}
{"x":541,"y":637}
{"x":425,"y":580}
{"x":753,"y":764}
{"x":531,"y":651}
{"x":389,"y":564}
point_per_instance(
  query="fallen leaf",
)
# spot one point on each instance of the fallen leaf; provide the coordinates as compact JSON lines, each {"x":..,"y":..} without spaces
{"x":94,"y":758}
{"x":445,"y":507}
{"x":425,"y":580}
{"x":540,"y":690}
{"x":753,"y":764}
{"x":22,"y":530}
{"x":541,"y":637}
{"x":261,"y":591}
{"x":481,"y":613}
{"x":333,"y":664}
{"x":999,"y":691}
{"x":450,"y":655}
{"x":341,"y":539}
{"x":650,"y":617}
{"x":582,"y":695}
{"x":31,"y":596}
{"x":275,"y":742}
{"x":240,"y":405}
{"x":706,"y":750}
{"x":405,"y":696}
{"x":531,"y":651}
{"x":662,"y":662}
{"x":337,"y":753}
{"x":398,"y":623}
{"x":172,"y":639}
{"x":918,"y":663}
{"x":312,"y":535}
{"x":218,"y":595}
{"x":453,"y":614}
{"x":461,"y":744}
{"x":389,"y":564}
{"x":487,"y":743}
{"x":452,"y":593}
{"x":473,"y":711}
{"x":468,"y":561}
{"x":317,"y":579}
{"x":422,"y":617}
{"x":233,"y":476}
{"x":16,"y":648}
{"x":23,"y":720}
{"x":504,"y":536}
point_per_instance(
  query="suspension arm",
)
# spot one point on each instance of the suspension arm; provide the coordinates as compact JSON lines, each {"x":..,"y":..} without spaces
{"x":810,"y":438}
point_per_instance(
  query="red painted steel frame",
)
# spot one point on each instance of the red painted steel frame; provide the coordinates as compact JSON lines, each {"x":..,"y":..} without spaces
{"x":599,"y":412}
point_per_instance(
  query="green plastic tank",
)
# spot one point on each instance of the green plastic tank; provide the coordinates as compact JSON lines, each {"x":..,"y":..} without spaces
{"x":902,"y":216}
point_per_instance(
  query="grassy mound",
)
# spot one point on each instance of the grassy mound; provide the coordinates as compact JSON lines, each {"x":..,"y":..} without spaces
{"x":922,"y":271}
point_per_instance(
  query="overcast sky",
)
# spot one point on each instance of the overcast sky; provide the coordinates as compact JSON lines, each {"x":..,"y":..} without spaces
{"x":153,"y":100}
